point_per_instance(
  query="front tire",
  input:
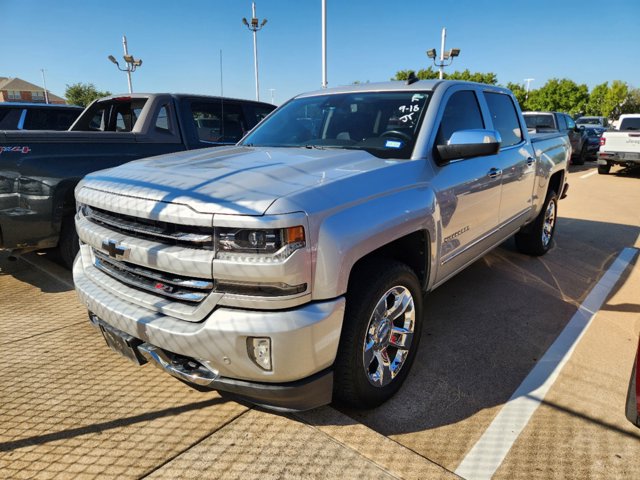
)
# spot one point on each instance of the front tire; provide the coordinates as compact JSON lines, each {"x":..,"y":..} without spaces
{"x":581,"y":157}
{"x":604,"y":169}
{"x":536,"y":238}
{"x":380,"y":333}
{"x":69,"y":244}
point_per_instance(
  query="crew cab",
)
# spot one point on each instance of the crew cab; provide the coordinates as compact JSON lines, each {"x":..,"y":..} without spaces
{"x":39,"y":170}
{"x":290,"y":268}
{"x":622,"y":146}
{"x":563,"y":123}
{"x":37,"y":116}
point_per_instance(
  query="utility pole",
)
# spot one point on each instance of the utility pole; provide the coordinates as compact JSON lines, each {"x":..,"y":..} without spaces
{"x":254,"y":26}
{"x":324,"y":43}
{"x":126,"y":54}
{"x":44,"y":80}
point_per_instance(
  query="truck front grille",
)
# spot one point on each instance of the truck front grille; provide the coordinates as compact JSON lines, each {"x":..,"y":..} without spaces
{"x":191,"y":290}
{"x":164,"y":232}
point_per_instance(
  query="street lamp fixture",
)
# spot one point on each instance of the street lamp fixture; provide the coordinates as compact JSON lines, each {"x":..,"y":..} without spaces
{"x":132,"y":63}
{"x":448,"y":55}
{"x":254,"y":26}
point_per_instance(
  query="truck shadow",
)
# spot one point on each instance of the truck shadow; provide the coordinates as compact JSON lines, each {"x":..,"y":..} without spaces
{"x":48,"y":275}
{"x":488,"y":326}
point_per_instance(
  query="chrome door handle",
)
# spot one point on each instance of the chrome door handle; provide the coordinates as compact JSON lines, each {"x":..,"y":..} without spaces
{"x":530,"y":161}
{"x":494,"y":173}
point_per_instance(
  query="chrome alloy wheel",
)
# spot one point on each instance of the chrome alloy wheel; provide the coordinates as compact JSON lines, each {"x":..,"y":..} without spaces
{"x":549,"y":223}
{"x":388,"y":336}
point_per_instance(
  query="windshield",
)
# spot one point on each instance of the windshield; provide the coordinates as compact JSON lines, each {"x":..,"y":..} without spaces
{"x":383,"y":123}
{"x":544,"y":120}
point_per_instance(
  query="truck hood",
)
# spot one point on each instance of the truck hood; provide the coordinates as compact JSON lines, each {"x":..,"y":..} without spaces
{"x":231,"y":180}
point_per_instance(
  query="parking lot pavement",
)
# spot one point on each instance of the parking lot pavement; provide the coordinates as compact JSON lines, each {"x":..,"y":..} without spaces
{"x":72,"y":408}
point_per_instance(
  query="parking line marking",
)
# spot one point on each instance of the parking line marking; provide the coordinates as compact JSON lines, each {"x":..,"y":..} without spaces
{"x":486,"y":456}
{"x":586,"y":175}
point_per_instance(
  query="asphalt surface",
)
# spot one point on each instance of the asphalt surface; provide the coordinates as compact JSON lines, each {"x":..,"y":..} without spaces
{"x":70,"y":408}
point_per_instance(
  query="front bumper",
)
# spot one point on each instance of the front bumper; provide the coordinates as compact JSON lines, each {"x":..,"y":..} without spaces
{"x":304,"y":342}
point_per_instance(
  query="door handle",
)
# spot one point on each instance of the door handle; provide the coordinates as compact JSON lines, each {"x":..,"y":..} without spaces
{"x":530,"y":161}
{"x":494,"y":173}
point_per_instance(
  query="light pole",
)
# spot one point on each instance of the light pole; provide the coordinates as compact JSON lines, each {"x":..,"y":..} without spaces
{"x":450,"y":55}
{"x":131,"y":62}
{"x":324,"y":43}
{"x":273,"y":97}
{"x":46,"y":94}
{"x":255,"y":26}
{"x":528,"y":80}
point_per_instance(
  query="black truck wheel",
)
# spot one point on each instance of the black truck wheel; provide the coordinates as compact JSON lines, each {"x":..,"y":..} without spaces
{"x":380,"y":333}
{"x":535,"y":239}
{"x":604,"y":169}
{"x":68,"y":245}
{"x":581,"y":157}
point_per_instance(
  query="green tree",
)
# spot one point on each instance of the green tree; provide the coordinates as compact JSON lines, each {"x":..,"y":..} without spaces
{"x":632,"y":105}
{"x":615,"y":98}
{"x":83,"y":94}
{"x":520,"y":93}
{"x":431,"y":74}
{"x":595,"y":104}
{"x":562,"y":95}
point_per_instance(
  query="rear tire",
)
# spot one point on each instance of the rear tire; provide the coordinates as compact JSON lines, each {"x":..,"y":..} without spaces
{"x":581,"y":157}
{"x":69,"y":244}
{"x":604,"y":169}
{"x":536,"y":238}
{"x":380,"y":333}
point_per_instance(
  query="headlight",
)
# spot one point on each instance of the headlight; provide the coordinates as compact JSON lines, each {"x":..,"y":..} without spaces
{"x":6,"y":184}
{"x":31,"y":186}
{"x":258,"y":245}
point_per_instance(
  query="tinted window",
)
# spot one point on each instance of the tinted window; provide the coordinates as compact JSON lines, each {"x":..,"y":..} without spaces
{"x":162,"y":122}
{"x":461,"y":113}
{"x":570,"y":123}
{"x":259,"y":112}
{"x":539,"y":121}
{"x":49,"y":119}
{"x":504,"y":118}
{"x":630,"y":124}
{"x":562,"y":124}
{"x":211,"y":128}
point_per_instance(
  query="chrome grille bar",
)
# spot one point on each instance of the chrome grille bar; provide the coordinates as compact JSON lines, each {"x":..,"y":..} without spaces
{"x":177,"y":288}
{"x":149,"y":229}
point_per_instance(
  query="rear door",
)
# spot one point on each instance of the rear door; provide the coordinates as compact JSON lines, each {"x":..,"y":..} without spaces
{"x":516,"y":159}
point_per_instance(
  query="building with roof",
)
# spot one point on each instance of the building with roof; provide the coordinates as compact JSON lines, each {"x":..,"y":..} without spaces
{"x":18,"y":90}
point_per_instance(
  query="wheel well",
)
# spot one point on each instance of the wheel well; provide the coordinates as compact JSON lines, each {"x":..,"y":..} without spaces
{"x":412,"y":250}
{"x":555,"y":182}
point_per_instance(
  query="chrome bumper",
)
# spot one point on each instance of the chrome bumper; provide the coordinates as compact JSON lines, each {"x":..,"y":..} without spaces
{"x":304,"y":340}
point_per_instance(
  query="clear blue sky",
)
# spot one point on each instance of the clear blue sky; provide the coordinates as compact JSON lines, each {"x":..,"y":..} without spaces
{"x":588,"y":41}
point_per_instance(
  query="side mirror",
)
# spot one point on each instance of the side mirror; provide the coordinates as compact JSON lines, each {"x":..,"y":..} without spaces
{"x":470,"y":143}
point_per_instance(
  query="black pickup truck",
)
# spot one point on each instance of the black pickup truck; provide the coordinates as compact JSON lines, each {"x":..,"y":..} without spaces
{"x":39,"y":170}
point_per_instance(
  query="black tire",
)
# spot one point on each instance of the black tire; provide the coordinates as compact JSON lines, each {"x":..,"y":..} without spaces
{"x":604,"y":169}
{"x":536,"y":238}
{"x":68,"y":245}
{"x":581,"y":157}
{"x":372,"y":282}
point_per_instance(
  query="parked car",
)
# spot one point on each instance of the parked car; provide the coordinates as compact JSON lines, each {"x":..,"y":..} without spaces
{"x":620,"y":147}
{"x":633,"y":394}
{"x":601,"y":122}
{"x":593,"y":141}
{"x":39,"y":170}
{"x":563,"y":123}
{"x":291,"y":268}
{"x":37,"y":116}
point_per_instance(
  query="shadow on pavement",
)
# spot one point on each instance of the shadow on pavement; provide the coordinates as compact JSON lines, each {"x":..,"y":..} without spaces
{"x":22,"y":270}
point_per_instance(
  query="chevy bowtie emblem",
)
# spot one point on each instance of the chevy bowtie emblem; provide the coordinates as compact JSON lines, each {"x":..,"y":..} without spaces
{"x":114,"y":250}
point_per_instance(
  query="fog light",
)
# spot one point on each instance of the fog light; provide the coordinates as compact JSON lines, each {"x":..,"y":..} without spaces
{"x":259,"y":349}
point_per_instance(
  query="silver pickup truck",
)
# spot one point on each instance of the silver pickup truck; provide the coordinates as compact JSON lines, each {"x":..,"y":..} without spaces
{"x":291,"y":268}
